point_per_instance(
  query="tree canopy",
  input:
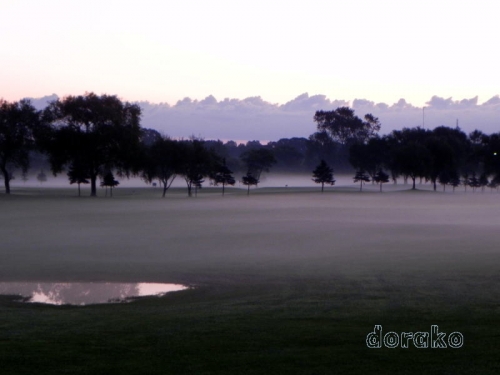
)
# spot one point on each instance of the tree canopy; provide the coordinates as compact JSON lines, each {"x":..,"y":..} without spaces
{"x":18,"y":121}
{"x":96,"y":132}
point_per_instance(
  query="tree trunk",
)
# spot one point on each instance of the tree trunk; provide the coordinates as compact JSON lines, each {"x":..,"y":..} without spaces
{"x":322,"y":186}
{"x":413,"y":188}
{"x":6,"y":179}
{"x":93,"y":189}
{"x":361,"y":186}
{"x":248,"y":191}
{"x":223,"y":189}
{"x":79,"y":191}
{"x":435,"y":186}
{"x":164,"y":190}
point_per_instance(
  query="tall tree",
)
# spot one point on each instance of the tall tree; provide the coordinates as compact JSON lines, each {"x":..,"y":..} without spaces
{"x":323,"y":174}
{"x":161,"y":161}
{"x":17,"y":123}
{"x":381,"y":178}
{"x":197,"y":162}
{"x":454,"y":180}
{"x":101,"y":131}
{"x":223,"y":176}
{"x":413,"y":160}
{"x":78,"y":174}
{"x":343,"y":126}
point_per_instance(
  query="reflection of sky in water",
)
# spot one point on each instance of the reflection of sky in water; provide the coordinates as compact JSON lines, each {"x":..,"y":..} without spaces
{"x":85,"y":293}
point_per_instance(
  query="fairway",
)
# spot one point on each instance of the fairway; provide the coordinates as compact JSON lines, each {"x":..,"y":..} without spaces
{"x":286,"y":280}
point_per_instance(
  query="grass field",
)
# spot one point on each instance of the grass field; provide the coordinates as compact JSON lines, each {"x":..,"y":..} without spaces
{"x":285,"y":281}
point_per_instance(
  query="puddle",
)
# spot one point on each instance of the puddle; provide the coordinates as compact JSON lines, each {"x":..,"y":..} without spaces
{"x":85,"y":293}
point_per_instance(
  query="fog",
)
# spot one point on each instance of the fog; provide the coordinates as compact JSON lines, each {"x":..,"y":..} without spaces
{"x":267,"y":180}
{"x":398,"y":238}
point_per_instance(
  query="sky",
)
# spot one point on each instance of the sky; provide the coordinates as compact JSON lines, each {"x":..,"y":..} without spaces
{"x":165,"y":51}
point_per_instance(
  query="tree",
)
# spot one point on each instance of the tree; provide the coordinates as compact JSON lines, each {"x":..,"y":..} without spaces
{"x":370,"y":156}
{"x":483,"y":181}
{"x":17,"y":123}
{"x":41,"y":177}
{"x":249,"y":180}
{"x":109,"y":181}
{"x":444,"y":179}
{"x":78,"y":174}
{"x":223,"y":176}
{"x":413,"y":160}
{"x":494,"y":183}
{"x":441,"y":158}
{"x":258,"y":161}
{"x":454,"y":180}
{"x":381,"y":178}
{"x":323,"y":174}
{"x":473,"y":182}
{"x":343,"y":126}
{"x":161,"y":161}
{"x":102,"y":132}
{"x":196,"y":163}
{"x":361,"y":177}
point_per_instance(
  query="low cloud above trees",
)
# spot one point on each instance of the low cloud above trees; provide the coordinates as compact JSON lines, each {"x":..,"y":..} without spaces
{"x":256,"y":118}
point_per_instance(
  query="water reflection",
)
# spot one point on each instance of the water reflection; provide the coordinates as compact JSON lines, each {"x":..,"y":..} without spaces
{"x":85,"y":293}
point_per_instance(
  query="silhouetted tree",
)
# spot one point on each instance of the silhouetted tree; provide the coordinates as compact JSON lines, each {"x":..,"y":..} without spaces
{"x":371,"y":156}
{"x":100,"y":131}
{"x":454,"y":180}
{"x":258,"y":161}
{"x":361,"y":177}
{"x":343,"y":126}
{"x":441,"y":158}
{"x":381,"y":178}
{"x":491,"y":154}
{"x":483,"y":181}
{"x":41,"y":177}
{"x":494,"y":183}
{"x":473,"y":182}
{"x":444,"y":179}
{"x":413,"y":160}
{"x":197,"y":162}
{"x":323,"y":174}
{"x":109,"y":181}
{"x":289,"y":153}
{"x":78,"y":174}
{"x":17,"y":122}
{"x":223,"y":176}
{"x":249,"y":180}
{"x":162,"y":161}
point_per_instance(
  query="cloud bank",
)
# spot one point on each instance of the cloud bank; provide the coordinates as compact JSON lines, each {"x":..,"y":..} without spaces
{"x":256,"y":119}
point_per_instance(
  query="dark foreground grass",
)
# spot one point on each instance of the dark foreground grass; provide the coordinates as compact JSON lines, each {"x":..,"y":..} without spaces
{"x":243,"y":330}
{"x":269,"y":308}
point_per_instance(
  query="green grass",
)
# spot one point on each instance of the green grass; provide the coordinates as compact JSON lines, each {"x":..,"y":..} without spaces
{"x":286,"y":281}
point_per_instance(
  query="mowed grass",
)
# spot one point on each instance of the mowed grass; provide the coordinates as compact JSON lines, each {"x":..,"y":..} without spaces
{"x":285,"y":281}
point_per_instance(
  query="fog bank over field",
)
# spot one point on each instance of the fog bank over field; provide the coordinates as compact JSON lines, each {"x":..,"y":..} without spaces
{"x":254,"y":118}
{"x":421,"y":238}
{"x":267,"y":180}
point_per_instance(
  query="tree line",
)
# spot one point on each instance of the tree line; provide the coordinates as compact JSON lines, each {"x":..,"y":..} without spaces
{"x":91,"y":136}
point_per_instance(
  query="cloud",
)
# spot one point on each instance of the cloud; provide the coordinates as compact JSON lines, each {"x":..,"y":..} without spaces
{"x":253,"y":118}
